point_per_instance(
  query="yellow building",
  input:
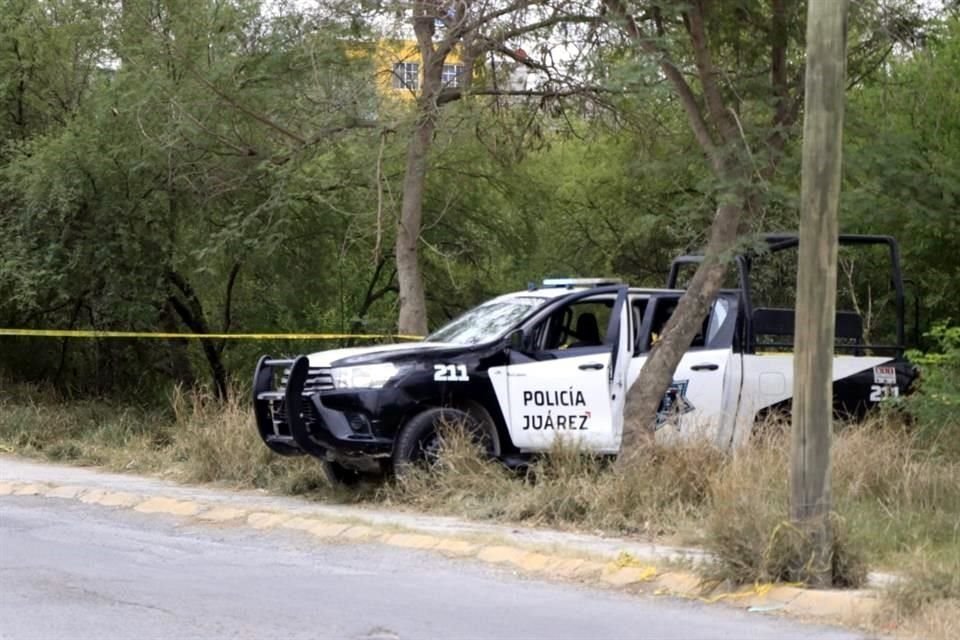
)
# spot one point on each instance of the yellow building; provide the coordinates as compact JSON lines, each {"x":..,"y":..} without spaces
{"x":397,"y":66}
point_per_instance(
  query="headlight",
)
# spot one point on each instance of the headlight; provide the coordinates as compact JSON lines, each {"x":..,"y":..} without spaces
{"x":367,"y":376}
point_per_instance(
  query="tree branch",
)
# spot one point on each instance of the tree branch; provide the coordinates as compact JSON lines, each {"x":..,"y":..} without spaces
{"x":452,"y":94}
{"x":262,"y":119}
{"x":228,"y":302}
{"x":694,"y":22}
{"x":552,"y":21}
{"x":785,"y":111}
{"x":778,"y":60}
{"x":524,"y":60}
{"x":687,"y":98}
{"x":325,"y":133}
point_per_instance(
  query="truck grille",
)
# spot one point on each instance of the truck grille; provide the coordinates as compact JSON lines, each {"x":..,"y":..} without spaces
{"x":318,"y":379}
{"x":279,"y":410}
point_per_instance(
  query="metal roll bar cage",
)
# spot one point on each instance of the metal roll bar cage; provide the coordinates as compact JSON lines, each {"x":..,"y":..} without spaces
{"x":781,"y":241}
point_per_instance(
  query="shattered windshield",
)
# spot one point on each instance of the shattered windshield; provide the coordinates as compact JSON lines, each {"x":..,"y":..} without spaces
{"x":486,"y":322}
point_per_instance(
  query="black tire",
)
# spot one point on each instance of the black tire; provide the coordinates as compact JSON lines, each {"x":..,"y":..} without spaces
{"x":418,"y":443}
{"x":338,"y":475}
{"x":772,"y":422}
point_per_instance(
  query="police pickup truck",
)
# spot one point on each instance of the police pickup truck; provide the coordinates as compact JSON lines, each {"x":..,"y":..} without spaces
{"x":557,"y":360}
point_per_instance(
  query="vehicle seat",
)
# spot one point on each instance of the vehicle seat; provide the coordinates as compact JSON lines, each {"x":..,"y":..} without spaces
{"x":588,"y":332}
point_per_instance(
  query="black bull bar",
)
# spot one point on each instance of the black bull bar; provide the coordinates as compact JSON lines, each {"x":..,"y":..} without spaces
{"x":280,"y":412}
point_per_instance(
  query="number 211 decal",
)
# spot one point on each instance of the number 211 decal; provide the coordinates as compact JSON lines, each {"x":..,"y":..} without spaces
{"x":450,"y":373}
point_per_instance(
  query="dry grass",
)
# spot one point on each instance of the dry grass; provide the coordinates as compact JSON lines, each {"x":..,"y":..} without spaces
{"x":198,"y":439}
{"x":899,"y":504}
{"x":937,"y":620}
{"x":897,"y":496}
{"x":749,"y":533}
{"x":926,"y":603}
{"x":924,"y":583}
{"x":568,"y":489}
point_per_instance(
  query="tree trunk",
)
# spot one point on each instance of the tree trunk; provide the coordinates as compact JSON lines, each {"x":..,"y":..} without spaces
{"x":191,"y":312}
{"x":643,"y":399}
{"x":179,"y":367}
{"x":413,"y":303}
{"x":719,"y":138}
{"x":817,"y":278}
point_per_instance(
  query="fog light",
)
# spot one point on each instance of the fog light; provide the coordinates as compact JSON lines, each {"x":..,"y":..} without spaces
{"x":358,"y":422}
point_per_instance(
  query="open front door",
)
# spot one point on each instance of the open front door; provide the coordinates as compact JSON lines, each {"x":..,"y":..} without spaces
{"x":571,"y":382}
{"x":620,"y":367}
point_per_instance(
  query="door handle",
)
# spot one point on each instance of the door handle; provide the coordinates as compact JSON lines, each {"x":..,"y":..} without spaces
{"x":592,"y":365}
{"x":705,"y":366}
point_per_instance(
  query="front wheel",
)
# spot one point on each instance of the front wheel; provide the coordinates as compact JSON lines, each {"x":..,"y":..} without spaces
{"x":420,"y":440}
{"x":338,"y":474}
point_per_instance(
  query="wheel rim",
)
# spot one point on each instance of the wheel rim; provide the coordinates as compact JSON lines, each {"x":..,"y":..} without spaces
{"x":428,"y":449}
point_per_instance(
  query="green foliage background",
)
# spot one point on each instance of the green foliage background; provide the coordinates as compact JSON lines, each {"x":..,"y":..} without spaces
{"x":148,"y":140}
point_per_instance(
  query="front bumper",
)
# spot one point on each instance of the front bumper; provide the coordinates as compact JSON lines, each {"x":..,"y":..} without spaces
{"x":292,"y":421}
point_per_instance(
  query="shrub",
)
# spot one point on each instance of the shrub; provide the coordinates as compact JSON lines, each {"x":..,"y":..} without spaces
{"x":748,"y":532}
{"x":935,"y":405}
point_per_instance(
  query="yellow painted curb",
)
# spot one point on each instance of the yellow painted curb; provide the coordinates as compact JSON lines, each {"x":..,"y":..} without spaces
{"x":498,"y":554}
{"x":222,"y":514}
{"x":169,"y":506}
{"x":119,"y":499}
{"x":772,"y":595}
{"x":91,"y":496}
{"x":456,"y":547}
{"x":588,"y":570}
{"x":411,"y":541}
{"x":847,"y":606}
{"x":676,"y":583}
{"x":66,"y":492}
{"x":534,"y":562}
{"x":359,"y":532}
{"x":299,"y":524}
{"x":623,"y":576}
{"x":567,"y":567}
{"x":851,"y":607}
{"x":265,"y":520}
{"x":328,"y":529}
{"x":30,"y":490}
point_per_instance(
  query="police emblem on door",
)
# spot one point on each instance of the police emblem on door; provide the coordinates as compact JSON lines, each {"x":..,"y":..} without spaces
{"x":674,"y":402}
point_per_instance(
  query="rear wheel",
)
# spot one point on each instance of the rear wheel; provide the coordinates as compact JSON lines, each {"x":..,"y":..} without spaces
{"x":772,"y":422}
{"x":420,"y":440}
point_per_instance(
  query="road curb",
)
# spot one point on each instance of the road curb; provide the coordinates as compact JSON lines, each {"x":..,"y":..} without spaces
{"x":620,"y":571}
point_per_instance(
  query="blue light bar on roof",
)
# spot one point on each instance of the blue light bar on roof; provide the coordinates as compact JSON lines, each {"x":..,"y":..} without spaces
{"x":579,"y":282}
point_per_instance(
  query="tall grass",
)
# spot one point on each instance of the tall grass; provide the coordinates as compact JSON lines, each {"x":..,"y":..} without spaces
{"x":896,"y":501}
{"x":196,"y":438}
{"x":569,"y":488}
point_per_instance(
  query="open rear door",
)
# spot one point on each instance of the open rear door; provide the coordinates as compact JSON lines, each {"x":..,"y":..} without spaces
{"x":702,"y":398}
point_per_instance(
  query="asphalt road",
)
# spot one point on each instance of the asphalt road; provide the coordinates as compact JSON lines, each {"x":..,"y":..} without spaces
{"x":69,"y":570}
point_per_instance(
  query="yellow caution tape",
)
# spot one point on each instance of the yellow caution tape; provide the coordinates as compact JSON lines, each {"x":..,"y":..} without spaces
{"x":63,"y":333}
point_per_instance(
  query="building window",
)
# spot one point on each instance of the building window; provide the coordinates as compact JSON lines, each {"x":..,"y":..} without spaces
{"x":451,"y":75}
{"x":406,"y":75}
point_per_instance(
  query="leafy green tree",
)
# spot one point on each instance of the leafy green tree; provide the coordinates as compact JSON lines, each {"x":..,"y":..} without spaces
{"x":903,"y":167}
{"x":710,"y":54}
{"x":164,"y":181}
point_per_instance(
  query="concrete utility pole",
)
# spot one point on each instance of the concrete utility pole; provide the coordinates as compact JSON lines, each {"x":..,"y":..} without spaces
{"x":817,"y":277}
